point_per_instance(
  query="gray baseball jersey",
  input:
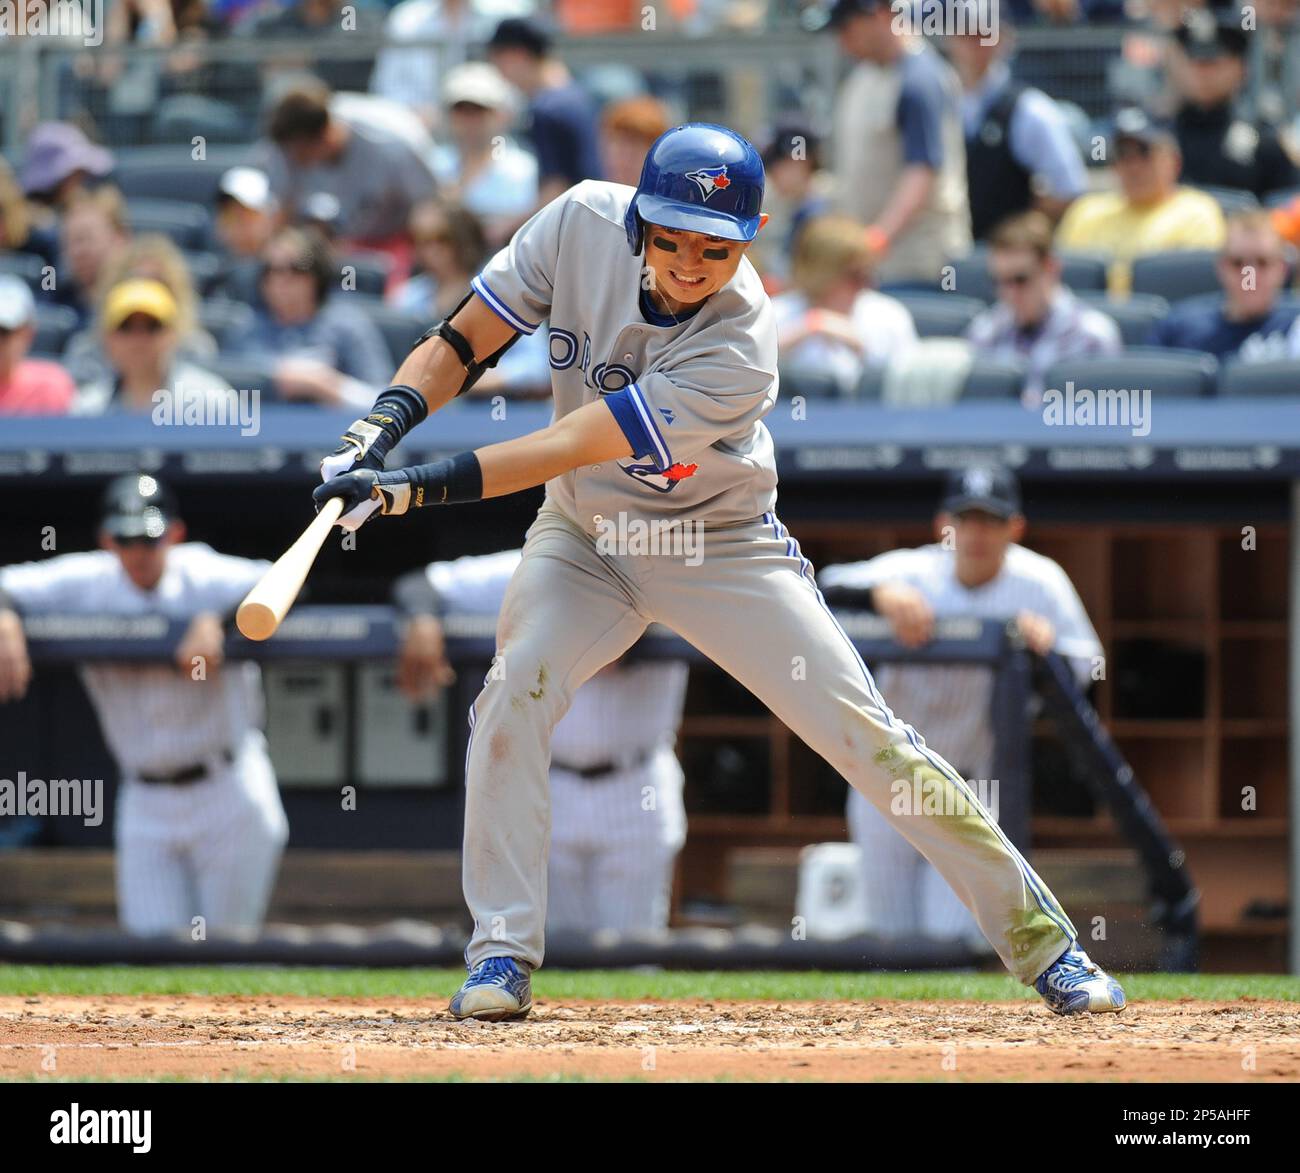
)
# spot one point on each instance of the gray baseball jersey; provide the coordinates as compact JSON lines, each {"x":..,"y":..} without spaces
{"x":690,"y":394}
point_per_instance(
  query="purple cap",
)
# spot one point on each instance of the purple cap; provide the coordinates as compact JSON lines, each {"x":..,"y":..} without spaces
{"x":57,"y":149}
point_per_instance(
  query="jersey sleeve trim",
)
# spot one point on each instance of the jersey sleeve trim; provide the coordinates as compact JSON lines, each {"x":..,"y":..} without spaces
{"x":499,"y":307}
{"x":636,"y":418}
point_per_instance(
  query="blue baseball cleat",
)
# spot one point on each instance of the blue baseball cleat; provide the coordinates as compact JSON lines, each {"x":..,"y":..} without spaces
{"x":498,"y":989}
{"x":1074,"y":984}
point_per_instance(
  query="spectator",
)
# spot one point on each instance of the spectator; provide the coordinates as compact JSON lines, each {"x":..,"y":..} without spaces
{"x":481,"y":167}
{"x":246,"y":214}
{"x":561,"y":115}
{"x":1220,"y":148}
{"x":16,"y":230}
{"x":797,"y":190}
{"x":628,"y":129}
{"x":1150,"y":213}
{"x":1036,"y":320}
{"x":28,"y":386}
{"x":377,"y":178}
{"x":94,"y":232}
{"x":155,"y":258}
{"x":311,"y":23}
{"x":411,"y":75}
{"x":326,"y":352}
{"x":59,"y":163}
{"x":900,"y":159}
{"x":1249,"y":319}
{"x":833,"y":323}
{"x":138,"y":323}
{"x":1020,"y":153}
{"x":450,"y":247}
{"x":980,"y":571}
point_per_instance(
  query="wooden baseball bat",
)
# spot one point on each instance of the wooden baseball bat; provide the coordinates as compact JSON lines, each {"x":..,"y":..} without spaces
{"x":265,"y":606}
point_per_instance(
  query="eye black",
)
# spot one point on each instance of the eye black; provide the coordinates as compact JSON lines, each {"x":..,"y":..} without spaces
{"x":666,"y":245}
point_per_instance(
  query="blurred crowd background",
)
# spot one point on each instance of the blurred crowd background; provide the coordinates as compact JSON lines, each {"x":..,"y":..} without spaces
{"x":282,"y":197}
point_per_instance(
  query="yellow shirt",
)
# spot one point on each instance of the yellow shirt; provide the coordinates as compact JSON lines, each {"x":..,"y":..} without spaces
{"x":1105,"y":222}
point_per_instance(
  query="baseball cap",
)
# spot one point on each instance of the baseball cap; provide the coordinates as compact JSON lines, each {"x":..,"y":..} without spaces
{"x":247,"y":186}
{"x":517,"y":32}
{"x":56,"y":150}
{"x":17,"y":306}
{"x":1140,"y":125}
{"x":479,"y":84}
{"x":139,"y":296}
{"x":841,"y":10}
{"x":137,"y":505}
{"x":1203,"y":36}
{"x":986,"y":488}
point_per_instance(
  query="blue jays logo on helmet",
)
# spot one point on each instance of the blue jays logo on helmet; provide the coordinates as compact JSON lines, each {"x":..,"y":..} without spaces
{"x":710,"y":179}
{"x":699,"y":178}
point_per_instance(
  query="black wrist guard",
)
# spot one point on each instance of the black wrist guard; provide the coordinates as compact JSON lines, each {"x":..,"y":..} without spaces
{"x":464,"y":351}
{"x":445,"y":482}
{"x":395,"y":413}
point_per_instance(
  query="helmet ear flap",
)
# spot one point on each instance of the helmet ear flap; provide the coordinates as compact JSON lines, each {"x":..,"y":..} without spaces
{"x":635,"y":229}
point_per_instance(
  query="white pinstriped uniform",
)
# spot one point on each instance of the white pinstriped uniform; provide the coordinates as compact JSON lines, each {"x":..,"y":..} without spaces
{"x":905,"y":896}
{"x":208,"y":848}
{"x":615,"y":839}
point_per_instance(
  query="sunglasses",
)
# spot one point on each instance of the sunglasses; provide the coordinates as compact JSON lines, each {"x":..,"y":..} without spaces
{"x":1252,"y":262}
{"x":142,"y":326}
{"x":299,"y":267}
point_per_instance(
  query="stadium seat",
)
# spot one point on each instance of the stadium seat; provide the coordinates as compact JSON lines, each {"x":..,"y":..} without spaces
{"x":28,"y":266}
{"x":1083,"y":271}
{"x":400,"y":329}
{"x":1260,"y":379}
{"x":994,"y":379}
{"x":189,"y":226}
{"x":1231,"y":199}
{"x":1175,"y":275}
{"x":1135,"y":316}
{"x":180,"y":118}
{"x":55,"y":324}
{"x":203,"y":267}
{"x":169,"y":173}
{"x":809,"y":384}
{"x":370,"y":271}
{"x":1169,"y":373}
{"x":227,"y":321}
{"x":245,"y":374}
{"x":940,"y":315}
{"x":971,"y":275}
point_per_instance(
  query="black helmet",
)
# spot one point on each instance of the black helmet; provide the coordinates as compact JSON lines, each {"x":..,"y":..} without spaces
{"x":137,"y":506}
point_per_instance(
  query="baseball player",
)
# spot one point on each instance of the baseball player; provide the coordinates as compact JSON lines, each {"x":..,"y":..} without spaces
{"x":977,"y":569}
{"x":618,"y":819}
{"x":660,"y":506}
{"x":199,"y":826}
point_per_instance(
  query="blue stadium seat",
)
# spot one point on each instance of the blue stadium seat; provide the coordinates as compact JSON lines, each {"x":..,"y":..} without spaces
{"x":55,"y":324}
{"x":971,"y":275}
{"x":400,"y":329}
{"x":370,"y":271}
{"x":179,"y":118}
{"x":28,"y":266}
{"x":245,"y":374}
{"x":1169,"y":373}
{"x":1260,"y":379}
{"x":1134,"y":316}
{"x":1083,"y":272}
{"x":940,"y":315}
{"x":994,"y":379}
{"x":169,"y":173}
{"x":188,"y":226}
{"x":203,"y":267}
{"x":810,"y":384}
{"x":1231,"y":199}
{"x":227,"y":321}
{"x":1178,"y":274}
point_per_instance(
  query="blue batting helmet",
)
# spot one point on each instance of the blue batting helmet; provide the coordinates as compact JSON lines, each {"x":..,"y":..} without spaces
{"x":699,"y":178}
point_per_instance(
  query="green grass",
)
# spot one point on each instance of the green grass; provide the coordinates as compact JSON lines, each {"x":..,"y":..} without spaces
{"x":624,"y":985}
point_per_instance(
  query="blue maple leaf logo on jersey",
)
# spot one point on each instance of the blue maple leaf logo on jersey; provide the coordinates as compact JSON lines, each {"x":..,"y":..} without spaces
{"x":710,"y":179}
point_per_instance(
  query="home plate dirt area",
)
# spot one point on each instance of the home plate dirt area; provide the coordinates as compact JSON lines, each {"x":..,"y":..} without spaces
{"x":295,"y":1037}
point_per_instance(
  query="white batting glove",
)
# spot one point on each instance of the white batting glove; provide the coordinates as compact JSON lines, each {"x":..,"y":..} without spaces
{"x":335,"y":465}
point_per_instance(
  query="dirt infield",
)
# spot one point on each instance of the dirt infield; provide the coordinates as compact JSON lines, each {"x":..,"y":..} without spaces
{"x":396,"y":1038}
